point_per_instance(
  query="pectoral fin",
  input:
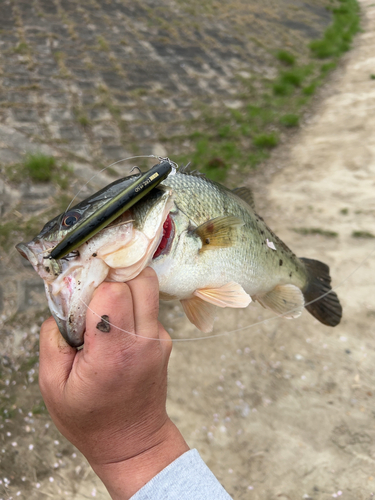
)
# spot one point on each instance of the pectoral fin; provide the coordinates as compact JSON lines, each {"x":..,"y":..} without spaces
{"x":284,"y":300}
{"x":200,"y":313}
{"x":219,"y":232}
{"x":229,"y":295}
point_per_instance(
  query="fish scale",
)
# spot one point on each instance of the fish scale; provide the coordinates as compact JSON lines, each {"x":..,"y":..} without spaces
{"x":257,"y":266}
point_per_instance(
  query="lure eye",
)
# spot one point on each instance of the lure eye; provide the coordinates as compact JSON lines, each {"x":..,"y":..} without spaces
{"x":70,"y":219}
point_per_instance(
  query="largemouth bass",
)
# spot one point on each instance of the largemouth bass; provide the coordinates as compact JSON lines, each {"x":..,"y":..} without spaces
{"x":206,"y":243}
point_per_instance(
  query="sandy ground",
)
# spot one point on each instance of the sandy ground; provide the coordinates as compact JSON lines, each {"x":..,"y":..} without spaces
{"x":277,"y":408}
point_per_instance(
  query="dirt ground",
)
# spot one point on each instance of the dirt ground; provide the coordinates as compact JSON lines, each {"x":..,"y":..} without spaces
{"x":277,"y":408}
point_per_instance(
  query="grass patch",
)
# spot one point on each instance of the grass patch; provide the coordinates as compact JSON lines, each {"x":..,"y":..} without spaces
{"x":243,"y":137}
{"x":294,"y":78}
{"x":266,"y":141}
{"x":286,"y":57}
{"x":282,"y":88}
{"x":81,"y":117}
{"x":372,"y":77}
{"x":305,"y":231}
{"x":40,"y":167}
{"x":103,"y":44}
{"x":362,"y":234}
{"x":289,"y":120}
{"x":310,"y":89}
{"x":337,"y":38}
{"x":22,"y":48}
{"x":83,"y":120}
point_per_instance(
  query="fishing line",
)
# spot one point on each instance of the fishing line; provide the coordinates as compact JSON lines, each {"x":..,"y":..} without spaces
{"x":241,"y":329}
{"x":238,"y":330}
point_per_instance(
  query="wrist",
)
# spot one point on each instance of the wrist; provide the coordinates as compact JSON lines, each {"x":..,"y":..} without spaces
{"x":124,"y":478}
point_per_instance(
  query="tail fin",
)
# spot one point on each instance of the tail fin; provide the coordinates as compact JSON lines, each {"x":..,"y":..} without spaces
{"x":325,"y":305}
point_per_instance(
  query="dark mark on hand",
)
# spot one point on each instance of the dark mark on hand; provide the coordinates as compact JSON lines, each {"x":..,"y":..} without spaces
{"x":104,"y":325}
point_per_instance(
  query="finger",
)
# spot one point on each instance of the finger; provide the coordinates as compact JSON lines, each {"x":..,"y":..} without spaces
{"x":145,"y":292}
{"x":166,"y":341}
{"x":56,"y":358}
{"x":110,"y":319}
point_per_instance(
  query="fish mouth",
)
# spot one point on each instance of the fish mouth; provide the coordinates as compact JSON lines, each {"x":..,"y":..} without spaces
{"x":28,"y":254}
{"x":167,"y":238}
{"x":69,"y":297}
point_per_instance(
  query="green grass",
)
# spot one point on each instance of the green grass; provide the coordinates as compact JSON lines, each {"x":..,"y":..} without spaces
{"x":286,"y":57}
{"x":310,"y":89}
{"x":266,"y":141}
{"x":289,"y":120}
{"x":103,"y":44}
{"x":22,"y":48}
{"x":362,"y":234}
{"x":338,"y":36}
{"x":372,"y":77}
{"x":83,"y":120}
{"x":40,"y":167}
{"x":306,"y":231}
{"x":243,"y":138}
{"x":282,"y":88}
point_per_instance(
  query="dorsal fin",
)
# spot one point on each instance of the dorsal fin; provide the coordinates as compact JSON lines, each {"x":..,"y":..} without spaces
{"x":219,"y":232}
{"x":245,"y":194}
{"x":186,"y":169}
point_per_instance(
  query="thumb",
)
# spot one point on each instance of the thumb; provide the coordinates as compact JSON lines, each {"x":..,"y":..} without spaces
{"x":56,"y":358}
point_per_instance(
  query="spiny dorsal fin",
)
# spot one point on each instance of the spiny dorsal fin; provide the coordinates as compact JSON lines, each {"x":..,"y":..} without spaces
{"x":219,"y":232}
{"x":229,"y":295}
{"x":285,"y":300}
{"x":245,"y":194}
{"x":186,"y":169}
{"x":200,"y":313}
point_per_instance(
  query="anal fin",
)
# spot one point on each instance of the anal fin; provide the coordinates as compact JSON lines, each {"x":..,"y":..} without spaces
{"x":229,"y":295}
{"x":200,"y":313}
{"x":285,"y":300}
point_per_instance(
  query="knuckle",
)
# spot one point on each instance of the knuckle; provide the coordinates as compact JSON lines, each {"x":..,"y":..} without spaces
{"x":114,"y":291}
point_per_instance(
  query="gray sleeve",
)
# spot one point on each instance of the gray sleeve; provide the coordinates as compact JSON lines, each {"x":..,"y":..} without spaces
{"x":187,"y":478}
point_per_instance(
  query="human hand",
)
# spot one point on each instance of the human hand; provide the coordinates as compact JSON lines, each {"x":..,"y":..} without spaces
{"x":109,"y":398}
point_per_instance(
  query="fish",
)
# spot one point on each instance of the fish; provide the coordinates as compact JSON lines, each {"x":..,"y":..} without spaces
{"x":206,"y":243}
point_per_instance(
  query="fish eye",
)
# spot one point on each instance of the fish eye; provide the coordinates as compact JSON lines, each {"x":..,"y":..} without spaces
{"x":70,"y":219}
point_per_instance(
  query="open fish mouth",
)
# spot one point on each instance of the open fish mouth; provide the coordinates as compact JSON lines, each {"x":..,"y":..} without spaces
{"x":25,"y":251}
{"x":118,"y":252}
{"x":69,"y":297}
{"x":68,"y":290}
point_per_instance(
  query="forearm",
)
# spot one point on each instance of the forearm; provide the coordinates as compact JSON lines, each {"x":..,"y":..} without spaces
{"x":125,"y":478}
